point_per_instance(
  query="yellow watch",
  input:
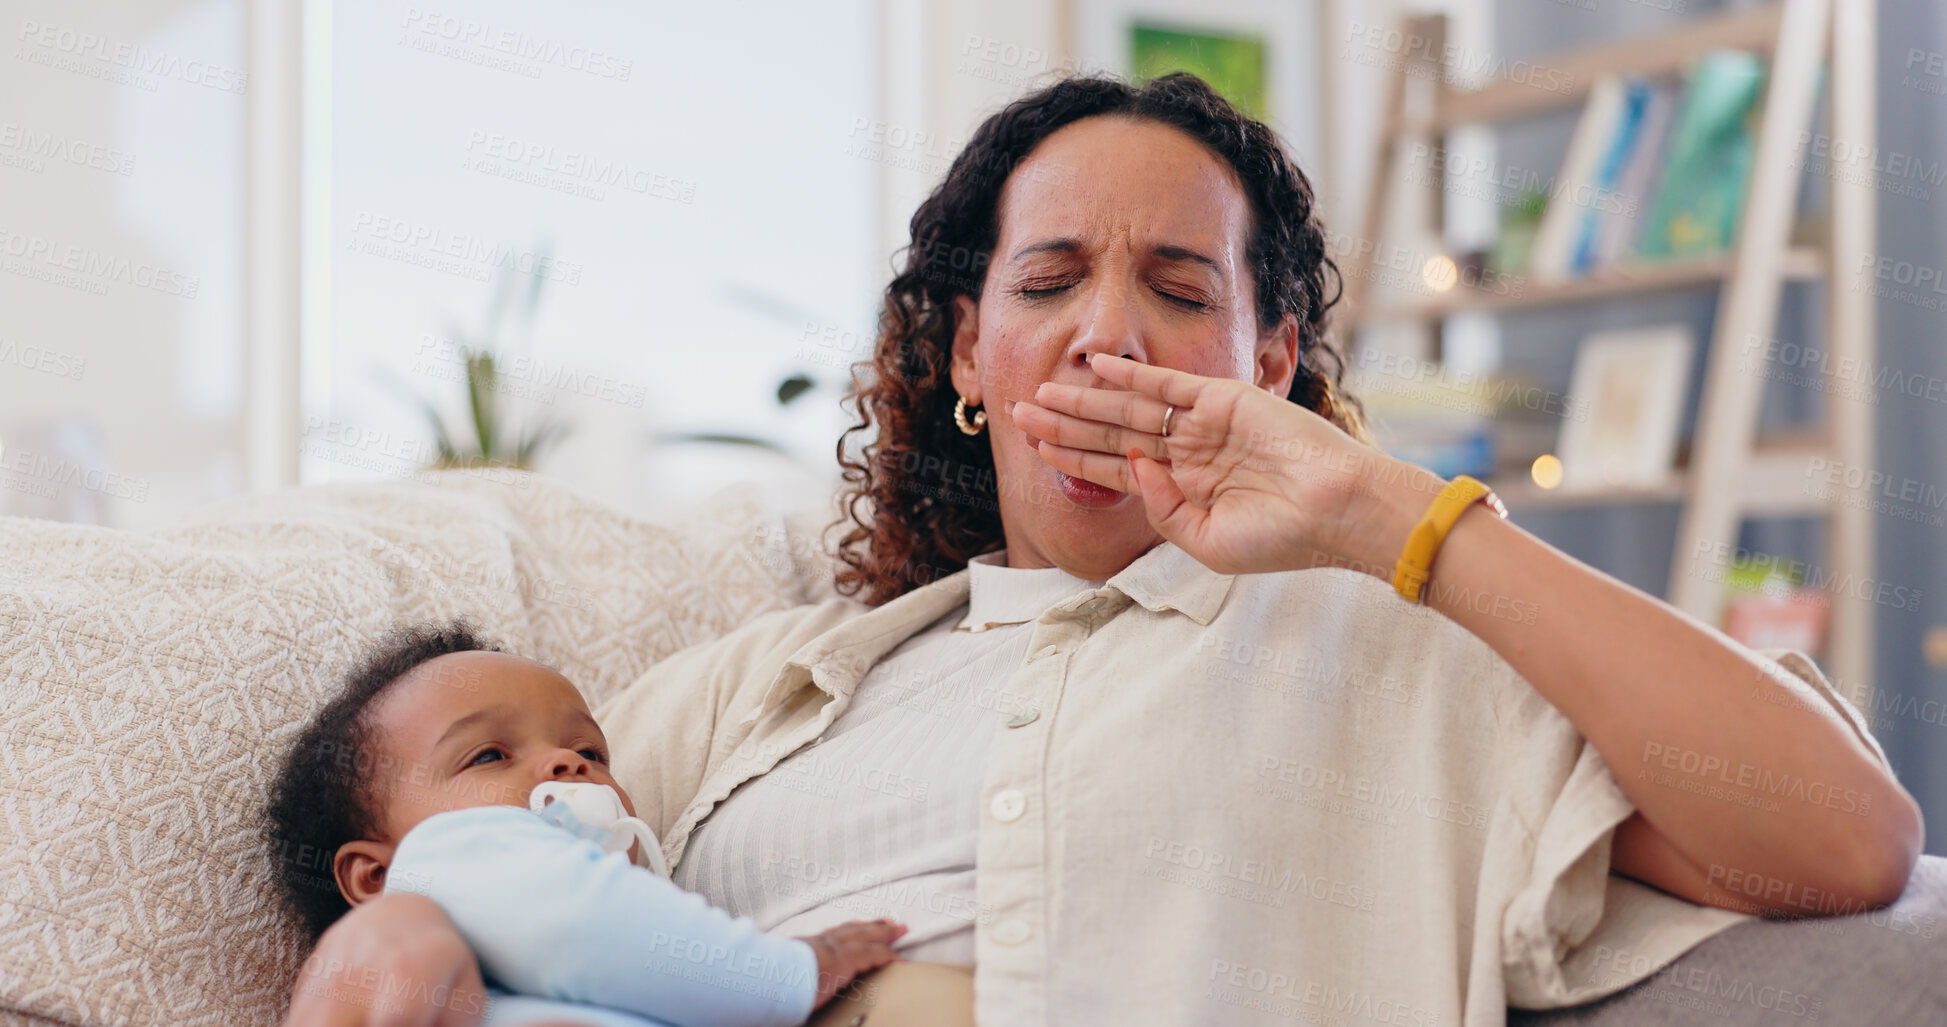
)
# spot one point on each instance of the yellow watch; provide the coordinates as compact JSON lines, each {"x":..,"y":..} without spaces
{"x":1415,"y":564}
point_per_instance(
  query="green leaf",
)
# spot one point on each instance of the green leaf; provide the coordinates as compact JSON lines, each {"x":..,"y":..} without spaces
{"x":793,"y":387}
{"x":727,"y":439}
{"x":440,"y":438}
{"x":538,"y":439}
{"x":482,"y":377}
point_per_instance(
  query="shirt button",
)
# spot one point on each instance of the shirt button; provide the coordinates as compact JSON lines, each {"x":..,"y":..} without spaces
{"x":1012,"y":932}
{"x":1025,"y":717}
{"x":1043,"y":652}
{"x":1008,"y":805}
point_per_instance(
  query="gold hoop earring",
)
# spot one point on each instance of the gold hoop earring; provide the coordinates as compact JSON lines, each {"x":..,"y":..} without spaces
{"x":960,"y":418}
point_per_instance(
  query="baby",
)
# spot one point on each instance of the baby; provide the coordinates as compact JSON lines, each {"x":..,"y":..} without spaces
{"x":417,"y":779}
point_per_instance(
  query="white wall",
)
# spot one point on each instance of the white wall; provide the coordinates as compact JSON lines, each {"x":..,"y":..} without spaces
{"x":686,"y":184}
{"x":121,"y":129}
{"x":773,"y":154}
{"x":948,"y":65}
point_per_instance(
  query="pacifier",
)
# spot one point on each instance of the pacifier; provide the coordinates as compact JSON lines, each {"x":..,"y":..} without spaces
{"x":594,"y":811}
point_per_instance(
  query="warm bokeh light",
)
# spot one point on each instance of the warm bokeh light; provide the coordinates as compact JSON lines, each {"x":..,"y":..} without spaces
{"x":1440,"y":273}
{"x":1934,"y":645}
{"x":1547,"y":471}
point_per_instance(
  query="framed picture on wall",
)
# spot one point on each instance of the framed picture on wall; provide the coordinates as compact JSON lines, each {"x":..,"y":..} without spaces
{"x":1263,"y":55}
{"x":1626,"y":397}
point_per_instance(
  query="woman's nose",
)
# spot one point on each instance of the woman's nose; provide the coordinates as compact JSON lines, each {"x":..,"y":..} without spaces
{"x":1111,"y":323}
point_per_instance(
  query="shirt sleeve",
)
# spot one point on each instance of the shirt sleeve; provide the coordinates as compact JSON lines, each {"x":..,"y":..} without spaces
{"x":1797,"y":672}
{"x":1558,"y":902}
{"x":552,"y":915}
{"x":1571,"y":931}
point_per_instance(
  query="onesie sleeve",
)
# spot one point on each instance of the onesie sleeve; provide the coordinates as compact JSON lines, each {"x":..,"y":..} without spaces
{"x":552,"y":915}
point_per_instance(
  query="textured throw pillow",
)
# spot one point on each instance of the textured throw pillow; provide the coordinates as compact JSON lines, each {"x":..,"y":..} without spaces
{"x":150,"y":682}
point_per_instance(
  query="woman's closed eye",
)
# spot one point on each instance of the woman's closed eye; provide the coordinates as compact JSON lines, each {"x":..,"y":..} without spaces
{"x":1184,"y":301}
{"x":1037,"y":291}
{"x":1041,"y":291}
{"x":1181,"y":293}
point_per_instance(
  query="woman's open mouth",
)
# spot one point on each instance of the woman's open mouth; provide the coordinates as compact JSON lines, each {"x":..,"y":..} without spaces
{"x":1087,"y":493}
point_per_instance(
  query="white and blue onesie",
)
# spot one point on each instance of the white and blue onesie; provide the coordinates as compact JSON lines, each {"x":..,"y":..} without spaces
{"x":563,"y":929}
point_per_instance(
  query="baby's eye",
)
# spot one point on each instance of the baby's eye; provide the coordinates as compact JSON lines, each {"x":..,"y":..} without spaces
{"x":484,"y":755}
{"x":594,"y":755}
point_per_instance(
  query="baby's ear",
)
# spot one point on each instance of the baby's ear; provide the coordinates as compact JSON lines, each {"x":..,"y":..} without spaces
{"x":360,"y":869}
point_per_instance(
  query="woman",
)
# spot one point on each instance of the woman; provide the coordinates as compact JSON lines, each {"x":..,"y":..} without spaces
{"x":1143,"y":634}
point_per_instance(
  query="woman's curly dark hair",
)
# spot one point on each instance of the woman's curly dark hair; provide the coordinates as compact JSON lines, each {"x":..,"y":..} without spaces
{"x":921,"y":497}
{"x":322,"y":796}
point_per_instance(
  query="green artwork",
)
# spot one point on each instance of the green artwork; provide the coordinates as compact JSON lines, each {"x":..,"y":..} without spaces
{"x":1233,"y":65}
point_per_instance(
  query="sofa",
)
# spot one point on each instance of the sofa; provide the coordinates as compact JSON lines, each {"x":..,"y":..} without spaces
{"x":150,"y":682}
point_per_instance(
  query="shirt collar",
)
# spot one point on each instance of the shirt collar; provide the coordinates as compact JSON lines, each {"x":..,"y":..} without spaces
{"x":1014,"y":595}
{"x":837,"y":660}
{"x":1164,"y":578}
{"x":1167,"y":578}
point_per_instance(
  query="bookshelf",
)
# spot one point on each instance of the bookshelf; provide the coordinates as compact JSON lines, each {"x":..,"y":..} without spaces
{"x":1800,"y":264}
{"x":1663,"y":56}
{"x":1732,"y":473}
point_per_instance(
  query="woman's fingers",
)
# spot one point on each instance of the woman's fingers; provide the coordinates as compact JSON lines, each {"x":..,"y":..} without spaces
{"x":468,"y":999}
{"x":1108,"y":469}
{"x":1108,"y":406}
{"x":1081,"y":433}
{"x":1170,"y":511}
{"x":1176,"y":388}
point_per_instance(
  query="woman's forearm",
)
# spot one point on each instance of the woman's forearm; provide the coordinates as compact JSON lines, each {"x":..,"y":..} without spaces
{"x":1725,"y":756}
{"x":1730,"y":770}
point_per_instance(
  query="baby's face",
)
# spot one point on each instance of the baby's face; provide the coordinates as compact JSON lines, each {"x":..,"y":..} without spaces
{"x":478,"y":729}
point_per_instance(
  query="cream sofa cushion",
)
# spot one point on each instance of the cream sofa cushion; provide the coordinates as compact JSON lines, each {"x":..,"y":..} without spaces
{"x":149,"y":682}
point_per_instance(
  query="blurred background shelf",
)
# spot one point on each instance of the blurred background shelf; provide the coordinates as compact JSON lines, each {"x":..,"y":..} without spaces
{"x":1775,"y":484}
{"x":1732,"y":476}
{"x":1801,"y":264}
{"x":1663,"y":55}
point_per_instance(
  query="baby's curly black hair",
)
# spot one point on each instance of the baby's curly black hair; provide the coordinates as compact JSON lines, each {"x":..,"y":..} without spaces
{"x":319,"y":800}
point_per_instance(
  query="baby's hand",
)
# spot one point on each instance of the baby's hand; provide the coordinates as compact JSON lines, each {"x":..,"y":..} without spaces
{"x":850,"y":949}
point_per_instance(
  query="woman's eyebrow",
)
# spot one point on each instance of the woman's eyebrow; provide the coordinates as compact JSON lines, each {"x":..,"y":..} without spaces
{"x":1062,"y":245}
{"x":1168,"y":251}
{"x":1173,"y":252}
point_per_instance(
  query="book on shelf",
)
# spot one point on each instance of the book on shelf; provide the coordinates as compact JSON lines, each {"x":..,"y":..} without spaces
{"x":1620,"y":229}
{"x":1552,"y":258}
{"x":1711,"y":146}
{"x":1652,"y":172}
{"x":1603,"y":202}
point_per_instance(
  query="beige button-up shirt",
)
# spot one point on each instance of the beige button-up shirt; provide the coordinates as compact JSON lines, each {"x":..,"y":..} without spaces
{"x":1258,"y":798}
{"x":882,"y":816}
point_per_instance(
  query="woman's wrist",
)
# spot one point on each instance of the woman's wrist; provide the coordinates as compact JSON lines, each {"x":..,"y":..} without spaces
{"x":1389,"y":496}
